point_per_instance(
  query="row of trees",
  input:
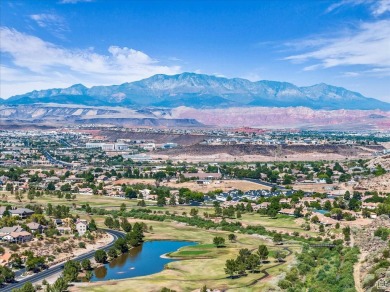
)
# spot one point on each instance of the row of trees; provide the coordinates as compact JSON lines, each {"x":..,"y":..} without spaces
{"x":134,"y":237}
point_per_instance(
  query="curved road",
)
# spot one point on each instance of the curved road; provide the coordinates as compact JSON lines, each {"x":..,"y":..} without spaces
{"x":58,"y":268}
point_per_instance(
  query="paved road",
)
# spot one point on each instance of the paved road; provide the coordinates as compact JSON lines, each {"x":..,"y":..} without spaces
{"x":54,"y":161}
{"x":58,"y":268}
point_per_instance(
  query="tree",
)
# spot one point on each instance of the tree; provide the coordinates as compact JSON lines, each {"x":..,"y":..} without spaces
{"x":280,"y":255}
{"x":30,"y":196}
{"x":86,"y":264}
{"x":34,"y":263}
{"x":66,"y":187}
{"x":379,"y":170}
{"x":172,"y":200}
{"x":141,"y":203}
{"x":121,"y":245}
{"x":347,"y":233}
{"x":125,"y":225}
{"x":322,"y":228}
{"x":328,"y":205}
{"x":262,"y":251}
{"x":161,"y":200}
{"x":253,"y":262}
{"x":278,"y":238}
{"x":337,"y":213}
{"x":6,"y":275}
{"x":9,"y":187}
{"x":51,"y":186}
{"x":18,"y":196}
{"x":71,"y":271}
{"x":232,"y":237}
{"x":219,"y":241}
{"x":366,"y":213}
{"x":109,"y":222}
{"x":112,"y":252}
{"x":16,"y":261}
{"x":231,"y":267}
{"x":315,"y":219}
{"x":27,"y":287}
{"x":100,"y":256}
{"x":123,"y":207}
{"x":88,"y":275}
{"x":273,"y":213}
{"x":59,"y":285}
{"x":130,"y":193}
{"x":194,"y":212}
{"x":92,"y":225}
{"x":241,"y":267}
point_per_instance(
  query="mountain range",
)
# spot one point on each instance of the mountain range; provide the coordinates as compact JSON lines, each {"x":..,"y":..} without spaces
{"x":202,"y":92}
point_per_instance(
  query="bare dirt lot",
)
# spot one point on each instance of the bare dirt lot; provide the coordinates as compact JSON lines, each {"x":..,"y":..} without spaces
{"x":224,"y":185}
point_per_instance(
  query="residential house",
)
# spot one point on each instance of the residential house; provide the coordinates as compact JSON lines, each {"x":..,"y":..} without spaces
{"x":8,"y":230}
{"x":58,"y":222}
{"x":285,"y":211}
{"x":64,"y":229}
{"x":264,"y":205}
{"x":81,"y":226}
{"x":369,"y":206}
{"x":23,"y":213}
{"x":18,"y":237}
{"x":36,"y":227}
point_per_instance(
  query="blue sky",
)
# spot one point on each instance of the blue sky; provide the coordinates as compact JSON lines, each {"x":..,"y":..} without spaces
{"x":57,"y":43}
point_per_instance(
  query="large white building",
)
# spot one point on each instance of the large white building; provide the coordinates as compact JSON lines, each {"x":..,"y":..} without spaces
{"x":108,"y":146}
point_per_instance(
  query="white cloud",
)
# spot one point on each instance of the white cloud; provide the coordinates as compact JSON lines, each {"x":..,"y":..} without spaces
{"x":74,"y":1}
{"x":54,"y":23}
{"x":37,"y":64}
{"x":380,"y":7}
{"x":377,"y":7}
{"x":369,"y":45}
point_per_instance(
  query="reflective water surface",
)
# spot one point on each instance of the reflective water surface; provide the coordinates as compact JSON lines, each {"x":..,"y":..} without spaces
{"x":139,"y":261}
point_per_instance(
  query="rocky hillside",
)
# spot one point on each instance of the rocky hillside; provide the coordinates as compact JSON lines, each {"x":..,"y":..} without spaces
{"x":55,"y":115}
{"x":261,"y":117}
{"x":374,"y":266}
{"x":266,"y":150}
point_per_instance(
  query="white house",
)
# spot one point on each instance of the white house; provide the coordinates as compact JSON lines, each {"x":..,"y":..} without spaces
{"x":81,"y":226}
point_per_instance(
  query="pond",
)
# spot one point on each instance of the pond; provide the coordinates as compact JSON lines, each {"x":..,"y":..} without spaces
{"x":142,"y":260}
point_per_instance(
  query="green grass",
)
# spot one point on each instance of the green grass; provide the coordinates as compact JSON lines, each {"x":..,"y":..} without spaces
{"x":192,"y":273}
{"x":186,"y":253}
{"x":201,"y":246}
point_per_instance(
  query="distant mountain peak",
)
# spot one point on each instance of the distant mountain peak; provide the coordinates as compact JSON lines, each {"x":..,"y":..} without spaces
{"x":204,"y":91}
